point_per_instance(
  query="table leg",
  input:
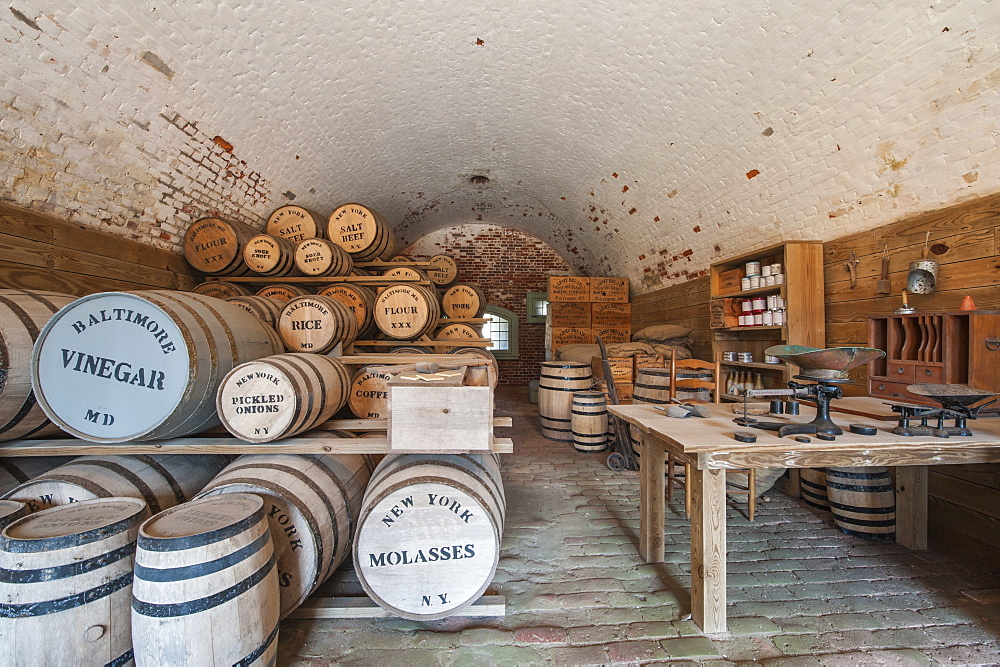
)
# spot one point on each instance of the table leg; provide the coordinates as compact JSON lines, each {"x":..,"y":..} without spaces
{"x":911,"y":506}
{"x":708,"y":548}
{"x":651,"y":502}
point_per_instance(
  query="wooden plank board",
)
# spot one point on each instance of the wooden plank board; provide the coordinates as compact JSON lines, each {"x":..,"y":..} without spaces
{"x":319,"y":444}
{"x":364,"y":607}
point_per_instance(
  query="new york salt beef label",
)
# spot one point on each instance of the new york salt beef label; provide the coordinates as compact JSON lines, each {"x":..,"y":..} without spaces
{"x":427,"y":548}
{"x":111,"y":366}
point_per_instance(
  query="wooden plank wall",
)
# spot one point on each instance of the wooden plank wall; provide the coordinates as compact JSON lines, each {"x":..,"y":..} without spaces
{"x":45,"y":253}
{"x":965,"y":238}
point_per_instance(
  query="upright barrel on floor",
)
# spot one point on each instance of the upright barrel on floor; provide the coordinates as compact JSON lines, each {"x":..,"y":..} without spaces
{"x":142,"y":365}
{"x":160,"y":480}
{"x":428,"y":538}
{"x":66,"y":584}
{"x":812,"y":482}
{"x":863,"y":501}
{"x":206,"y":589}
{"x":311,"y":503}
{"x":558,"y":381}
{"x":589,"y":421}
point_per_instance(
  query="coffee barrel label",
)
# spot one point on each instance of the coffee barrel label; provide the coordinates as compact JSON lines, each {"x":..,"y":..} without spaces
{"x":426,"y":548}
{"x":111,"y":366}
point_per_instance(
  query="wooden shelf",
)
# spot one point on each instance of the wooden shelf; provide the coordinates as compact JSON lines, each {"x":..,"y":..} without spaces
{"x":754,"y":292}
{"x":777,"y":327}
{"x":782,"y":367}
{"x":317,"y":280}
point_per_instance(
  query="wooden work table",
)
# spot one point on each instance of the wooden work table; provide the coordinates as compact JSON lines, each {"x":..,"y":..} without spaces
{"x":709,"y":446}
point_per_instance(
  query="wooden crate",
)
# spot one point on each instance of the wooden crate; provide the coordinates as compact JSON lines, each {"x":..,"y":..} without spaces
{"x":611,"y":334}
{"x":607,"y":289}
{"x":569,"y":314}
{"x":610,"y":315}
{"x":569,"y":289}
{"x":640,"y":361}
{"x":730,"y":281}
{"x":440,"y":414}
{"x":621,"y":368}
{"x":624,"y":390}
{"x":724,"y":313}
{"x":571,"y":336}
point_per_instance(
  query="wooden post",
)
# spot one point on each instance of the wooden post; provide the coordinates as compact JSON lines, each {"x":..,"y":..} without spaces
{"x":708,"y":548}
{"x":651,"y":506}
{"x":911,"y":507}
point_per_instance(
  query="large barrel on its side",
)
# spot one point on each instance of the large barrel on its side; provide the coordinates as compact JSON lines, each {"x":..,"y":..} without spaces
{"x":215,"y":246}
{"x":295,"y":223}
{"x":160,"y":480}
{"x":142,"y":365}
{"x":558,"y":381}
{"x":15,"y":471}
{"x":282,"y":293}
{"x":316,"y":324}
{"x":428,"y":537}
{"x":66,"y":584}
{"x":22,"y":315}
{"x":652,"y":385}
{"x":359,"y":300}
{"x":206,"y":589}
{"x":311,"y":503}
{"x":362,"y":232}
{"x":863,"y":501}
{"x":589,"y":421}
{"x":319,"y":257}
{"x":277,"y":397}
{"x":406,"y":312}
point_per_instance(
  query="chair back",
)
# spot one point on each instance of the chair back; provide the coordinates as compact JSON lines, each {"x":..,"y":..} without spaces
{"x":700,"y":366}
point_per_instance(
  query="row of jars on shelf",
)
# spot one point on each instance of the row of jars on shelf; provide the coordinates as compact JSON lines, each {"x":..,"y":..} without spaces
{"x":762,"y":311}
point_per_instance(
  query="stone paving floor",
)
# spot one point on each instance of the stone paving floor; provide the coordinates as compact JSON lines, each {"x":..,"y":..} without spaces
{"x":577,"y":593}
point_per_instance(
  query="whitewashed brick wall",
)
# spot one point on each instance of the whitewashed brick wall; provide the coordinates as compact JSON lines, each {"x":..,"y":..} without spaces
{"x":645,"y":139}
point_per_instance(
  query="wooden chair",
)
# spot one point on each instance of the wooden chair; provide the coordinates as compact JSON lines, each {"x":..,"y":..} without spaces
{"x":698,"y":367}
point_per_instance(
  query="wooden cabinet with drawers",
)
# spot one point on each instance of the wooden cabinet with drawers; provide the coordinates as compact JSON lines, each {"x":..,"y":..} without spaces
{"x":956,"y":347}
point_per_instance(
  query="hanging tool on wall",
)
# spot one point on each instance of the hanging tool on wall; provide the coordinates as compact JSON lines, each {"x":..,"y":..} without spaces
{"x":851,"y":265}
{"x":882,"y":287}
{"x":923,"y":272}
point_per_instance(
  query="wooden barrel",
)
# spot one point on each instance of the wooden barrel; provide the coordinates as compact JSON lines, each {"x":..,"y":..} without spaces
{"x":409,"y":349}
{"x":558,"y":381}
{"x":360,"y":301}
{"x":221,"y":289}
{"x":589,"y":421}
{"x":215,"y":246}
{"x":406,"y":273}
{"x":406,"y":311}
{"x":295,"y":223}
{"x":369,"y":397}
{"x":319,"y":257}
{"x":311,"y":503}
{"x":316,"y":324}
{"x":863,"y":501}
{"x":443,"y":270}
{"x":812,"y":483}
{"x":283,"y":293}
{"x":23,"y":313}
{"x":429,"y":532}
{"x":268,"y":255}
{"x":66,"y":584}
{"x":277,"y":397}
{"x":362,"y":232}
{"x":463,"y":300}
{"x":15,"y":471}
{"x":11,"y":511}
{"x":652,"y":385}
{"x":159,"y":480}
{"x":142,"y":365}
{"x":264,"y":309}
{"x":459,"y":332}
{"x":480,"y":353}
{"x":205,"y":585}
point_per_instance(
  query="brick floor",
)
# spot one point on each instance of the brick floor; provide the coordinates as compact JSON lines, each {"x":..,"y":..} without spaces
{"x":800,"y":592}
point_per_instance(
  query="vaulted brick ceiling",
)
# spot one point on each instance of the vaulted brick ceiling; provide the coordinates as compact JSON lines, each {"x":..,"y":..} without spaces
{"x":638,"y":138}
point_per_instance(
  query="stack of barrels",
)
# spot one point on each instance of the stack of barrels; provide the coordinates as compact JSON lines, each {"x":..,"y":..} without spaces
{"x":569,"y":409}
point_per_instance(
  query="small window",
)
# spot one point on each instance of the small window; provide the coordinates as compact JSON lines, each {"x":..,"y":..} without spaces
{"x":501,"y":328}
{"x":538,"y":307}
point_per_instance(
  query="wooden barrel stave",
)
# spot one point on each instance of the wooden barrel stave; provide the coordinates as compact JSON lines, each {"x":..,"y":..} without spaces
{"x":359,"y":300}
{"x":430,"y":507}
{"x":205,"y":584}
{"x":283,"y":293}
{"x":558,"y":381}
{"x":15,"y":471}
{"x":264,"y":309}
{"x":812,"y":482}
{"x":312,"y":504}
{"x":221,"y":289}
{"x":65,"y":583}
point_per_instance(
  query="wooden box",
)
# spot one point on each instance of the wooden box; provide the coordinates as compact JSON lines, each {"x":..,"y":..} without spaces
{"x":609,"y":290}
{"x":569,"y":288}
{"x":571,"y":336}
{"x":437,"y":411}
{"x":569,"y":314}
{"x":610,"y":315}
{"x":611,"y":334}
{"x":640,"y":361}
{"x":624,"y":390}
{"x":621,"y":368}
{"x":730,"y":281}
{"x":723,"y":313}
